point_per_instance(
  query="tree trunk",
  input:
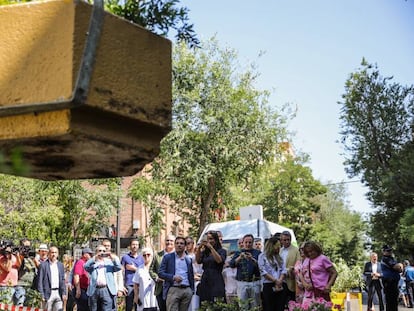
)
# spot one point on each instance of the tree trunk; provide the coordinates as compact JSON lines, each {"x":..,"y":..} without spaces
{"x":206,"y":203}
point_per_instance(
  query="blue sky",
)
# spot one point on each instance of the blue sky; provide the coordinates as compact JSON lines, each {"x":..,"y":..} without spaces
{"x":310,"y":48}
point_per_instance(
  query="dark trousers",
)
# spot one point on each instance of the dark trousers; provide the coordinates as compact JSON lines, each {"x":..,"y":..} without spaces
{"x":81,"y":302}
{"x":391,"y":294}
{"x":162,"y":304}
{"x":129,"y":299}
{"x":273,"y":301}
{"x":375,"y":287}
{"x":410,"y":292}
{"x":289,"y":295}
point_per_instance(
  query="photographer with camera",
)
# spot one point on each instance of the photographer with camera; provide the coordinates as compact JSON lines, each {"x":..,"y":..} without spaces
{"x":248,"y":273}
{"x":26,"y":273}
{"x":9,"y":266}
{"x":102,"y":289}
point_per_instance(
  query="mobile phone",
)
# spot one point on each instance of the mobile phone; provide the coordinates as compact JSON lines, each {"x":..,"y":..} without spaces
{"x":104,"y":255}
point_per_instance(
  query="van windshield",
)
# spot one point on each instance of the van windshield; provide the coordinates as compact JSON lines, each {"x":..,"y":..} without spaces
{"x":230,"y":245}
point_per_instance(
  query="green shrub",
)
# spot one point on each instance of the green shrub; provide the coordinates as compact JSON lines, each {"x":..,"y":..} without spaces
{"x":348,"y":279}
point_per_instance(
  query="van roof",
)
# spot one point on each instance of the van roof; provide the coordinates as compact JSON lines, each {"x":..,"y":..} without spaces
{"x":236,"y":229}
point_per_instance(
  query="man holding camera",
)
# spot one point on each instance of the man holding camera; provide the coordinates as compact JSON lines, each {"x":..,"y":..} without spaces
{"x":248,"y":273}
{"x":9,"y":266}
{"x":27,"y":272}
{"x":102,"y":288}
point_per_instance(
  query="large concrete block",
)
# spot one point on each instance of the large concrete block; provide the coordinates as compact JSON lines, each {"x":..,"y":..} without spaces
{"x":128,"y":108}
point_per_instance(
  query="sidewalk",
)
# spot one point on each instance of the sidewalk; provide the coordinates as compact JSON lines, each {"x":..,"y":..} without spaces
{"x":376,"y":306}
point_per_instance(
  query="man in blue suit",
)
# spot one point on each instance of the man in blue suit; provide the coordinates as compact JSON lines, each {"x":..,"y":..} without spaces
{"x":373,"y":275}
{"x":51,"y":282}
{"x":176,"y":270}
{"x":102,"y":288}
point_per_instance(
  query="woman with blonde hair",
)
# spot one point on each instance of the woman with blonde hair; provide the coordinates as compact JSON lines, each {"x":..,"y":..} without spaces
{"x":273,"y":272}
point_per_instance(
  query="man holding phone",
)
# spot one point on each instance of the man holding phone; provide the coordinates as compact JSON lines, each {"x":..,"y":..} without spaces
{"x":102,"y":288}
{"x":248,"y":273}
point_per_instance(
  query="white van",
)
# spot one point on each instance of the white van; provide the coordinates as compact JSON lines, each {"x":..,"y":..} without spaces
{"x":233,"y":230}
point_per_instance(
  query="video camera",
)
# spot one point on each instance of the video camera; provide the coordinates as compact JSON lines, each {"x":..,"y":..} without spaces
{"x":7,"y":246}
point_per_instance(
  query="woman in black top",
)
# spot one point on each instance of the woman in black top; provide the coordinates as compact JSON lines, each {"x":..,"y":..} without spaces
{"x":212,"y":256}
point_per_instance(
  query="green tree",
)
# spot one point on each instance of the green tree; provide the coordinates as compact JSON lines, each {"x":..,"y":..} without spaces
{"x":86,"y":207}
{"x":340,"y":230}
{"x":286,"y":189}
{"x":223,"y":129}
{"x":159,"y":16}
{"x":377,"y":129}
{"x":22,"y":213}
{"x":61,"y":213}
{"x":150,"y":193}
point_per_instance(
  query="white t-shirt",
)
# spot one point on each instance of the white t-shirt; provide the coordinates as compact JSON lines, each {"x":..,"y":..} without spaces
{"x":146,"y":288}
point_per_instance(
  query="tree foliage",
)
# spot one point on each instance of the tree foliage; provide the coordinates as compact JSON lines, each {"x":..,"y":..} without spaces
{"x":340,"y":230}
{"x":159,"y":16}
{"x":63,"y":213}
{"x":223,"y":129}
{"x":287,"y":190}
{"x":377,"y":131}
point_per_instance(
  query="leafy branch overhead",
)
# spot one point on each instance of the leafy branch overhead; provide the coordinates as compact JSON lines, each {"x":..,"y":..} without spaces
{"x":159,"y":16}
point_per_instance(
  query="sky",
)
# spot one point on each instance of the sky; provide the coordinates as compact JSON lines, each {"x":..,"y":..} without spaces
{"x":308,"y":49}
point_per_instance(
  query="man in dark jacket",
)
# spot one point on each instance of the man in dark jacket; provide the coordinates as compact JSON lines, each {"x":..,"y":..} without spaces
{"x":391,"y":270}
{"x":373,"y":275}
{"x":52,"y":282}
{"x":176,"y":270}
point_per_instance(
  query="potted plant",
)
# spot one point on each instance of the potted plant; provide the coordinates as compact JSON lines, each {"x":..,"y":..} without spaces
{"x":349,"y":281}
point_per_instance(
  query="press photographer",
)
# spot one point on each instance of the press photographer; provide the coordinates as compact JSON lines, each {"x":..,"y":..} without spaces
{"x":9,"y":266}
{"x":26,"y":272}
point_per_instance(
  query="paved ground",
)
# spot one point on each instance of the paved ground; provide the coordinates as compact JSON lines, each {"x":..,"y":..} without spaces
{"x":364,"y":304}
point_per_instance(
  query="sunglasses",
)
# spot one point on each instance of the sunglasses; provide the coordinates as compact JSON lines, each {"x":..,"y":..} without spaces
{"x":146,"y":255}
{"x":101,"y":250}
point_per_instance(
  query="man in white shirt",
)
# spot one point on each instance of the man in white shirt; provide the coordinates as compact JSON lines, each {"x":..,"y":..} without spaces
{"x":290,"y":255}
{"x":373,"y":275}
{"x":51,"y":283}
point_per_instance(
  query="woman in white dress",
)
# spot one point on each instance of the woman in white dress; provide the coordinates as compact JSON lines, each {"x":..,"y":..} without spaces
{"x":144,"y":285}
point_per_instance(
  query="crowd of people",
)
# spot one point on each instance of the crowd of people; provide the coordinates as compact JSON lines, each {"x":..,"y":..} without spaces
{"x":183,"y":276}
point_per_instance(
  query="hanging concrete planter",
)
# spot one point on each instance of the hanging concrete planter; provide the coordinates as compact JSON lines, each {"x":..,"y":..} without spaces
{"x":81,"y":101}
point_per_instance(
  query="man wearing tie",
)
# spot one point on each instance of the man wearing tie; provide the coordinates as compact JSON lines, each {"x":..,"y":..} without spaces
{"x":373,"y":275}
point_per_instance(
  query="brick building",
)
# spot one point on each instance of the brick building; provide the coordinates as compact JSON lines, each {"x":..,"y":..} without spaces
{"x":134,"y":220}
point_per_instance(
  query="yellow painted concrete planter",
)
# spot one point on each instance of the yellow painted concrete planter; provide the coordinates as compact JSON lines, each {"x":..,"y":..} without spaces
{"x":128,"y":108}
{"x":355,"y":300}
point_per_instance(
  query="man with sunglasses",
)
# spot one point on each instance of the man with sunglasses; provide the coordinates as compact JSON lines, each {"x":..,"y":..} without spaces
{"x":102,"y":288}
{"x":177,"y":272}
